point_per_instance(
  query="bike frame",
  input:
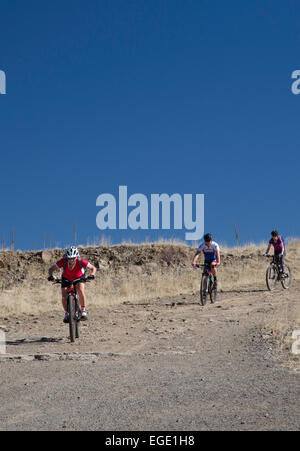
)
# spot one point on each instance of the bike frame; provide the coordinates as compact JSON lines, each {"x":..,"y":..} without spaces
{"x":75,"y":310}
{"x":276,"y":265}
{"x":276,"y":262}
{"x":207,"y":272}
{"x":72,"y":291}
{"x":74,"y":316}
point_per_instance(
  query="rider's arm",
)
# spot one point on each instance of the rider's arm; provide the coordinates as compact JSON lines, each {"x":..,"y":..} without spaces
{"x":196,"y":258}
{"x":218,"y":257}
{"x":268,"y":250}
{"x":52,"y":269}
{"x":92,"y":268}
{"x":282,"y":247}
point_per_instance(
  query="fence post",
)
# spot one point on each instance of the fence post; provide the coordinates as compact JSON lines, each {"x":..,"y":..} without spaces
{"x":75,"y":233}
{"x":236,"y":233}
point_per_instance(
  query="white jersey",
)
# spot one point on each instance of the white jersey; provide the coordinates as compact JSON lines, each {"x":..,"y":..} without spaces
{"x":210,"y":252}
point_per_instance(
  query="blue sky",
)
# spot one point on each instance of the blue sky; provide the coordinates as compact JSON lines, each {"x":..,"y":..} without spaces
{"x":170,"y":96}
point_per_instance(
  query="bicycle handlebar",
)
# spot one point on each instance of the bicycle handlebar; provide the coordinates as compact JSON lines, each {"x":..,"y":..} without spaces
{"x":271,"y":256}
{"x":202,"y":266}
{"x":82,"y":279}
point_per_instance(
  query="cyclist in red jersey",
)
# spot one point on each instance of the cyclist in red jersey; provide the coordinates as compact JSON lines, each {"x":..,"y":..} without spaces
{"x":73,"y":267}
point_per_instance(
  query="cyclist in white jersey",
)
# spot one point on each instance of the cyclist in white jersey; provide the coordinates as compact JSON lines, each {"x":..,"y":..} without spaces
{"x":211,"y":251}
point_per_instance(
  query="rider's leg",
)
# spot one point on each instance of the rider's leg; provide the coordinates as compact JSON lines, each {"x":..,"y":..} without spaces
{"x":64,"y":294}
{"x":280,"y":261}
{"x":81,"y":294}
{"x":282,"y":264}
{"x":214,"y":272}
{"x":82,"y":300}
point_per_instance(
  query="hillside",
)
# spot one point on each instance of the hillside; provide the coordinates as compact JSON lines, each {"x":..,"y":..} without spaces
{"x":130,"y":272}
{"x":151,"y":357}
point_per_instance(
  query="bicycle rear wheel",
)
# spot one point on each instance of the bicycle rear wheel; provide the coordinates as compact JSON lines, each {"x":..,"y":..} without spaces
{"x":286,"y":278}
{"x":271,"y":277}
{"x":72,"y":325}
{"x":204,"y":289}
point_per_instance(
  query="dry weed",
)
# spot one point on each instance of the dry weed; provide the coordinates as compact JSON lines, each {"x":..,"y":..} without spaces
{"x":139,"y":273}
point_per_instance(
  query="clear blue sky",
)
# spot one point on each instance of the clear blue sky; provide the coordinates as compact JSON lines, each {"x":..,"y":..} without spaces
{"x":164,"y":96}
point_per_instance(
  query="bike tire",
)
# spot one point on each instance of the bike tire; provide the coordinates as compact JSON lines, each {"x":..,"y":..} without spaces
{"x":72,"y":325}
{"x":203,"y":289}
{"x":286,"y":282}
{"x":77,"y":329}
{"x":212,"y":292}
{"x":271,"y":277}
{"x":77,"y":322}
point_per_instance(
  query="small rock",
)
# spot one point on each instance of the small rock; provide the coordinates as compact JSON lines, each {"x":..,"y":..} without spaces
{"x":151,"y":265}
{"x":47,"y":257}
{"x":136,"y":269}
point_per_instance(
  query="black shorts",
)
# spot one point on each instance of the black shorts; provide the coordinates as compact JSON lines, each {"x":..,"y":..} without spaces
{"x":65,"y":283}
{"x":209,"y":263}
{"x":279,"y":258}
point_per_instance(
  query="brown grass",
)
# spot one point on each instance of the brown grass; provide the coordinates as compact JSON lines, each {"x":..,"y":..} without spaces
{"x":137,"y":273}
{"x":279,"y":332}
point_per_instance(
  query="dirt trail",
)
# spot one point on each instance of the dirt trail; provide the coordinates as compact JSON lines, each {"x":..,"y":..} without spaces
{"x":169,"y":364}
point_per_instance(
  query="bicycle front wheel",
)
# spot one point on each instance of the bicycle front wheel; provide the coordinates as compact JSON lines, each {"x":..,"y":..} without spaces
{"x":203,"y":289}
{"x":72,"y":325}
{"x":271,"y":277}
{"x":286,"y":278}
{"x":77,"y":317}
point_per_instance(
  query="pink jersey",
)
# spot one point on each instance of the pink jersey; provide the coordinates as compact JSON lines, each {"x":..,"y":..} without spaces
{"x":72,"y":274}
{"x":278,"y":245}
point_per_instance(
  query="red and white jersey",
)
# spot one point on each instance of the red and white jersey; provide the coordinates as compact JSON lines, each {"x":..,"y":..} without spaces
{"x":210,"y":252}
{"x":75,"y":273}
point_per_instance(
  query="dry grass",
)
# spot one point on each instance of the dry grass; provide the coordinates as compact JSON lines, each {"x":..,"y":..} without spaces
{"x":109,"y":290}
{"x":242,"y":267}
{"x":280,"y":334}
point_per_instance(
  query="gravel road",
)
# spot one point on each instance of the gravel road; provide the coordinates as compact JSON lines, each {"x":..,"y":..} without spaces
{"x":166,"y":365}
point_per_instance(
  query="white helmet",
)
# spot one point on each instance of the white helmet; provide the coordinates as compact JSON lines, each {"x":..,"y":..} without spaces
{"x":72,"y":252}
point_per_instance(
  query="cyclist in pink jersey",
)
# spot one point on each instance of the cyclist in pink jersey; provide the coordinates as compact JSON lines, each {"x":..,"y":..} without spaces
{"x":279,"y":248}
{"x":73,"y":267}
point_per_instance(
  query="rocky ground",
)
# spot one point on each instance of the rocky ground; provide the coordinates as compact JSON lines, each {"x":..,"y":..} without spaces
{"x":164,"y":364}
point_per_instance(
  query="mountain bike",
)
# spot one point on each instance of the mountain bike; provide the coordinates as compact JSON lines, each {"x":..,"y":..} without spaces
{"x":274,"y":274}
{"x":73,"y":306}
{"x":207,"y":285}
